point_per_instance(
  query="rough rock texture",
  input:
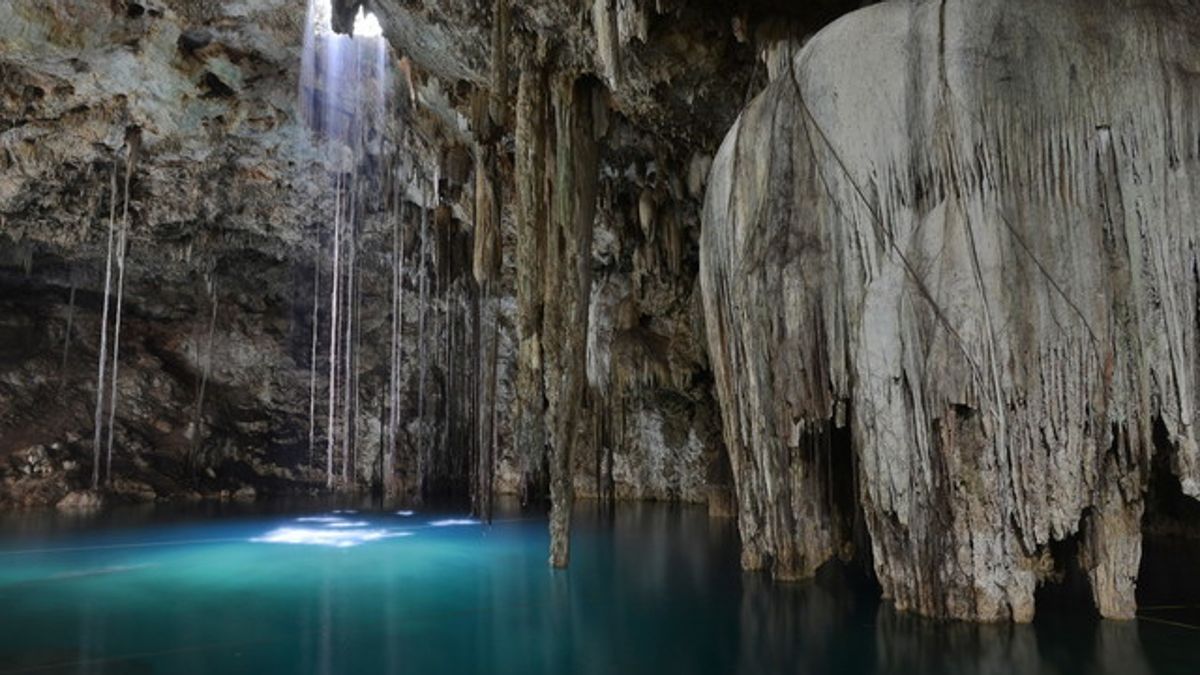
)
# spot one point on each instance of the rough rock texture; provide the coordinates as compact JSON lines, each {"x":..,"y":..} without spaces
{"x":230,"y":205}
{"x":949,"y":298}
{"x":231,"y":202}
{"x":972,"y":243}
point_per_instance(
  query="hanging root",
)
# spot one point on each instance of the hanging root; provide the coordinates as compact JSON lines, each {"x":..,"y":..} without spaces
{"x":102,"y":357}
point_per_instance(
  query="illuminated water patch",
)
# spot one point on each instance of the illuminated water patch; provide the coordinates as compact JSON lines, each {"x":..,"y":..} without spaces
{"x":451,"y":522}
{"x":338,"y":538}
{"x":334,"y":531}
{"x":406,"y":514}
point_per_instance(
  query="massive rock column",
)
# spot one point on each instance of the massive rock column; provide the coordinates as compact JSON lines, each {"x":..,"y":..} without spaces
{"x":964,"y":228}
{"x":530,"y":168}
{"x":567,"y":289}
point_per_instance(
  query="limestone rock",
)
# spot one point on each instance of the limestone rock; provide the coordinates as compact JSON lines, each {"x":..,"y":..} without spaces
{"x":964,"y":231}
{"x":81,"y":501}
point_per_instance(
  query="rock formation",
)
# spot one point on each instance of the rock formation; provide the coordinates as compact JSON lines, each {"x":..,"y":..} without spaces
{"x":965,"y":231}
{"x":931,"y":305}
{"x":221,"y":384}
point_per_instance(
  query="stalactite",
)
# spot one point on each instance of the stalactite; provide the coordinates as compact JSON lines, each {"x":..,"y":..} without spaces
{"x":992,"y":276}
{"x":608,"y":40}
{"x":499,"y":62}
{"x":574,"y":205}
{"x":486,"y":259}
{"x":530,"y":213}
{"x":102,"y":358}
{"x":486,"y":269}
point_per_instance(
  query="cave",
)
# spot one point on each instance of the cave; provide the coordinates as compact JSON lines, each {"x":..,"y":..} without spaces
{"x":1065,"y":590}
{"x":753,"y":336}
{"x":1167,"y":587}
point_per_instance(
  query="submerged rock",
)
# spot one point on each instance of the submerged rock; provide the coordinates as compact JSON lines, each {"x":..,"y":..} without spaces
{"x":81,"y":500}
{"x":132,"y":490}
{"x":963,"y":232}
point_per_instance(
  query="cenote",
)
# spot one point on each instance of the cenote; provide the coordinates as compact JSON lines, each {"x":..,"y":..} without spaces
{"x":652,"y":588}
{"x":600,"y":336}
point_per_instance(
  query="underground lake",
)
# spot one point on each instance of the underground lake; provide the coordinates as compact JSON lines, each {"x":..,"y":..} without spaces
{"x":741,"y":337}
{"x":651,"y":589}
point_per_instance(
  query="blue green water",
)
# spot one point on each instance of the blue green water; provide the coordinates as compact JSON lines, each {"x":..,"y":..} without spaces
{"x":651,"y":589}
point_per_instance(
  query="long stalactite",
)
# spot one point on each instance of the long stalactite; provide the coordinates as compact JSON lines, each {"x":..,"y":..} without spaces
{"x":568,"y":289}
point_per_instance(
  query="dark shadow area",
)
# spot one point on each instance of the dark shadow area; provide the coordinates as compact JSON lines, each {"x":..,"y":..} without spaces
{"x":844,"y":491}
{"x":1067,"y":590}
{"x":1168,"y":586}
{"x":814,"y":14}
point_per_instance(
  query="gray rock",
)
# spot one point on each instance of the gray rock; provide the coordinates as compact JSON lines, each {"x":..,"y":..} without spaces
{"x":954,"y":228}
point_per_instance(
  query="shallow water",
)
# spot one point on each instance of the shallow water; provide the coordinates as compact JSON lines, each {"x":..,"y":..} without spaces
{"x":651,"y":589}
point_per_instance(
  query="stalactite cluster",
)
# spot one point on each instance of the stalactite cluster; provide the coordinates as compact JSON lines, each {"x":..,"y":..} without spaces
{"x":980,"y":259}
{"x":929,"y":308}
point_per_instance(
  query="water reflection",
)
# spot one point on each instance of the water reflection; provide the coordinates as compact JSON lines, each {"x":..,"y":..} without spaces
{"x":835,"y":624}
{"x":822,"y":626}
{"x":652,"y":588}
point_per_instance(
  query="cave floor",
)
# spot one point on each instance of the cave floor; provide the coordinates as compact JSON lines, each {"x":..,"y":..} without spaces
{"x":652,"y":588}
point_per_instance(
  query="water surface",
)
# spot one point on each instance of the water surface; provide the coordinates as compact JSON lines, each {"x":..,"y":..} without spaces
{"x":651,"y":589}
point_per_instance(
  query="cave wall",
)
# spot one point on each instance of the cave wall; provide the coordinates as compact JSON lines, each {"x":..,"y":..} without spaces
{"x":972,"y":244}
{"x":230,"y":201}
{"x":914,"y":310}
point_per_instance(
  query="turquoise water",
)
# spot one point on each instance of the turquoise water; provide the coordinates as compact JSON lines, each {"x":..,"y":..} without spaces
{"x":652,"y":589}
